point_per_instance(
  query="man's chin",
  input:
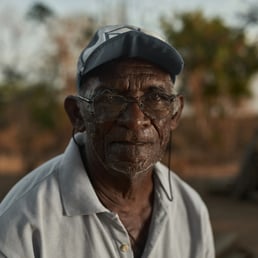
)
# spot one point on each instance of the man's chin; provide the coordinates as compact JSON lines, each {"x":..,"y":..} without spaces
{"x":130,"y":169}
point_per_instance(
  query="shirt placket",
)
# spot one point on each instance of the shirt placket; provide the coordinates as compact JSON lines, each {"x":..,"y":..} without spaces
{"x":120,"y":238}
{"x":158,"y":222}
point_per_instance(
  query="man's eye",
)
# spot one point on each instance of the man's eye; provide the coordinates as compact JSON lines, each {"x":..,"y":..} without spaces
{"x":111,"y":99}
{"x":105,"y":95}
{"x":154,"y":97}
{"x":107,"y":98}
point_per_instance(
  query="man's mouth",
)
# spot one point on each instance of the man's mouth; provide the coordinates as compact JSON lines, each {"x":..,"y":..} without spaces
{"x":131,"y":143}
{"x":129,"y":150}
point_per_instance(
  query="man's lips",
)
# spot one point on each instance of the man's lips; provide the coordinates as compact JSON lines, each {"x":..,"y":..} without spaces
{"x":130,"y":151}
{"x":133,"y":143}
{"x":125,"y":137}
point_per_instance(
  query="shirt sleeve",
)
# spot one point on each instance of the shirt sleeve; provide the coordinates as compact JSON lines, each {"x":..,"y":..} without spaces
{"x":208,"y":240}
{"x":2,"y":255}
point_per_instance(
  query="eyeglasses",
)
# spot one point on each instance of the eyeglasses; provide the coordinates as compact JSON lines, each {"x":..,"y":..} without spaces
{"x":108,"y":106}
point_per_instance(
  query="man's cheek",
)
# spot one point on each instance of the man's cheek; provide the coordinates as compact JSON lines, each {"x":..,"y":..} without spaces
{"x":95,"y":129}
{"x":98,"y":132}
{"x":164,"y":132}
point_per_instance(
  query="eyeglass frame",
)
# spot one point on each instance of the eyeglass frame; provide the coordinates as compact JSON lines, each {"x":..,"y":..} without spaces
{"x":128,"y":100}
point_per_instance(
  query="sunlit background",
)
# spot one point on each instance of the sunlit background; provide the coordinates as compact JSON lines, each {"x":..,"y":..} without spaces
{"x":215,"y":148}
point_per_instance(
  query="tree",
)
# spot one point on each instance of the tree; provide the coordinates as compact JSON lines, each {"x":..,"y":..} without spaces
{"x":65,"y":36}
{"x":39,"y":12}
{"x":250,"y":16}
{"x":218,"y":64}
{"x":13,"y":31}
{"x":24,"y":47}
{"x":69,"y":35}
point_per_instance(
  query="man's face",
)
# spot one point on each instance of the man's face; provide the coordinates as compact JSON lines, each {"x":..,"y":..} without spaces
{"x":132,"y":142}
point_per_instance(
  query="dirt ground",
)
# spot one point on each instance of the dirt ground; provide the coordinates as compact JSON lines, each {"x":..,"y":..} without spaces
{"x":238,"y":219}
{"x":235,"y":222}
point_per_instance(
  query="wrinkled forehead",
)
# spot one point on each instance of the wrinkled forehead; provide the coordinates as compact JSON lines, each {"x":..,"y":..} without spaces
{"x":130,"y":69}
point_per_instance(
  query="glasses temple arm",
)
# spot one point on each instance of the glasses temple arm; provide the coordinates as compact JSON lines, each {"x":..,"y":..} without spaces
{"x":84,"y":99}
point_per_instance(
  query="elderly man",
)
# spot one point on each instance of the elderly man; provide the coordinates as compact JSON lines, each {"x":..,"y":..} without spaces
{"x":108,"y":195}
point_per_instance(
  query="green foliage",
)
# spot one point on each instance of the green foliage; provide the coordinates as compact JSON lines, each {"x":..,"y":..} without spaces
{"x":6,"y":91}
{"x":38,"y":103}
{"x":34,"y":116}
{"x":42,"y":104}
{"x":39,"y":12}
{"x":250,"y":17}
{"x":220,"y":52}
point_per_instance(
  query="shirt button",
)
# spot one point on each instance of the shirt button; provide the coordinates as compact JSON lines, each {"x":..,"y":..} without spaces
{"x":124,"y":247}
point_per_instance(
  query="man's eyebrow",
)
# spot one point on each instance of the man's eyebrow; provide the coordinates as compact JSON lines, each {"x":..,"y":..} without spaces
{"x":104,"y":87}
{"x":157,"y":88}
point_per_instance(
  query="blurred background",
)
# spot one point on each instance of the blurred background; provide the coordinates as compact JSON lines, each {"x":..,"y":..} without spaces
{"x":215,"y":148}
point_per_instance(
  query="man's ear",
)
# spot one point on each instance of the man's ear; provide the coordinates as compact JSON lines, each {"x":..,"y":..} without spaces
{"x":73,"y":111}
{"x":178,"y":111}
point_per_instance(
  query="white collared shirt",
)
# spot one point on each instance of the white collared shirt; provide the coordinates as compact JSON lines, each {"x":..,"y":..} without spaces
{"x":54,"y":212}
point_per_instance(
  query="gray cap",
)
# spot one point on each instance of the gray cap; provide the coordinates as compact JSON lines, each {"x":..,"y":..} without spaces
{"x":125,"y":41}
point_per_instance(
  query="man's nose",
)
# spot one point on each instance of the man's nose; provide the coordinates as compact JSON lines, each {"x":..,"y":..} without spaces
{"x":133,"y":117}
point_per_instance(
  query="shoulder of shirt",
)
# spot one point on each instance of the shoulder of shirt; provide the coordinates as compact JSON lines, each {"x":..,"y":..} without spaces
{"x":23,"y":189}
{"x":181,"y":189}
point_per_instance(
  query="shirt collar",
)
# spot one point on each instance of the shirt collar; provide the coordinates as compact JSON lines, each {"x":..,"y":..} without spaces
{"x":165,"y":181}
{"x":78,"y":194}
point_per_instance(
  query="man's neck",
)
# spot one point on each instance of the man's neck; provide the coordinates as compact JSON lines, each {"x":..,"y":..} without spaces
{"x":125,"y":193}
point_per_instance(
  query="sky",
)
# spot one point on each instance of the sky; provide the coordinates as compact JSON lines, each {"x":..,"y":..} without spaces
{"x":139,"y":12}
